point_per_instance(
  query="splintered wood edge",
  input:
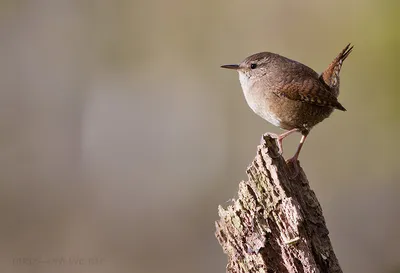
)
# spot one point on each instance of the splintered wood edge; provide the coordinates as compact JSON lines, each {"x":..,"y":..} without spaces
{"x":275,"y":224}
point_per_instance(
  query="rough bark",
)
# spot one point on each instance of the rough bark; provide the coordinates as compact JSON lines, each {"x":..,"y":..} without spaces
{"x":276,"y":223}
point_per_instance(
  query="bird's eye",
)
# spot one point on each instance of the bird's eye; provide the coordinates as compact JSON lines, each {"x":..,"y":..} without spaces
{"x":253,"y":66}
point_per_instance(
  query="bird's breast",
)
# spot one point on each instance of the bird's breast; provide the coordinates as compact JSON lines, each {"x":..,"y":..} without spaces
{"x":257,"y":97}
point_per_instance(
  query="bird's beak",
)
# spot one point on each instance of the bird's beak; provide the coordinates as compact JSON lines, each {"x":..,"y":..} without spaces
{"x":231,"y":66}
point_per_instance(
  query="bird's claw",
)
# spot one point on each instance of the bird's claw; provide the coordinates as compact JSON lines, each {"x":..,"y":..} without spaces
{"x":278,"y":143}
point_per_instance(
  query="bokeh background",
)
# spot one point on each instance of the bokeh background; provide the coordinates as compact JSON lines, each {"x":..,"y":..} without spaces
{"x":120,"y":135}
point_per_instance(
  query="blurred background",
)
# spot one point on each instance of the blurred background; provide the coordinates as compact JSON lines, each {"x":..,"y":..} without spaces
{"x":120,"y":134}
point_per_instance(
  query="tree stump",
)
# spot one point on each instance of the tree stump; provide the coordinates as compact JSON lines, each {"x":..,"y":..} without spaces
{"x":276,"y":223}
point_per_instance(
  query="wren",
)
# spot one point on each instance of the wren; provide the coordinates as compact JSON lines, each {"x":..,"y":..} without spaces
{"x":289,"y":94}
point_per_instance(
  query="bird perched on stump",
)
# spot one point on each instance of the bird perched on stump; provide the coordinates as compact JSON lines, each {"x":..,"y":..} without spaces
{"x":289,"y":94}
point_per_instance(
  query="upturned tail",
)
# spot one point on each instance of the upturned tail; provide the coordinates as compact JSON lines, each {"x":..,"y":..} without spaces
{"x":331,"y":75}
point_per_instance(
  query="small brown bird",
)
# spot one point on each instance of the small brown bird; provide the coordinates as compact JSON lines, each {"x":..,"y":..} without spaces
{"x":289,"y":94}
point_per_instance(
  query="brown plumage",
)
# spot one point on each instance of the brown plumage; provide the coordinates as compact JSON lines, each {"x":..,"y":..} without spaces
{"x":331,"y":75}
{"x":289,"y":94}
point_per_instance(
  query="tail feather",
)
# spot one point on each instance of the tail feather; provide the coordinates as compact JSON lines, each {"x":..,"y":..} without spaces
{"x":340,"y":107}
{"x":331,"y":75}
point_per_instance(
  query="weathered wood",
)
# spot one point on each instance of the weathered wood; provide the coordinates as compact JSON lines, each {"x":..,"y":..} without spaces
{"x":276,"y":223}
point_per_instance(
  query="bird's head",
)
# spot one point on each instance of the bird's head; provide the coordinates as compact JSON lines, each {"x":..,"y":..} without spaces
{"x":251,"y":69}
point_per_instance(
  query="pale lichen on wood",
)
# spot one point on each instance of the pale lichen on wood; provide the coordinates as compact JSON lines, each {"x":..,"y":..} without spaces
{"x":276,"y":223}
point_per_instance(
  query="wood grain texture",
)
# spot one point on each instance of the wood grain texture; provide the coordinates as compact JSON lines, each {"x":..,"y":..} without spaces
{"x":276,"y":224}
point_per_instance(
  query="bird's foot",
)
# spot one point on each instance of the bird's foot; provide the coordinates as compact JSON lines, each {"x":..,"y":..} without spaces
{"x":279,"y":138}
{"x":294,"y":163}
{"x":278,"y":143}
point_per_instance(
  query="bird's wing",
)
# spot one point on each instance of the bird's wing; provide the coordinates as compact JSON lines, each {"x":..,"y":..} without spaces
{"x":308,"y":89}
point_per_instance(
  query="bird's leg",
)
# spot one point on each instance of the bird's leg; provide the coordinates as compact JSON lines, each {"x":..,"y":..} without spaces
{"x":296,"y":155}
{"x":282,"y":136}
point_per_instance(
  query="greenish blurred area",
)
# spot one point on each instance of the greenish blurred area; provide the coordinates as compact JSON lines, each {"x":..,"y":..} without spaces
{"x":120,"y":134}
